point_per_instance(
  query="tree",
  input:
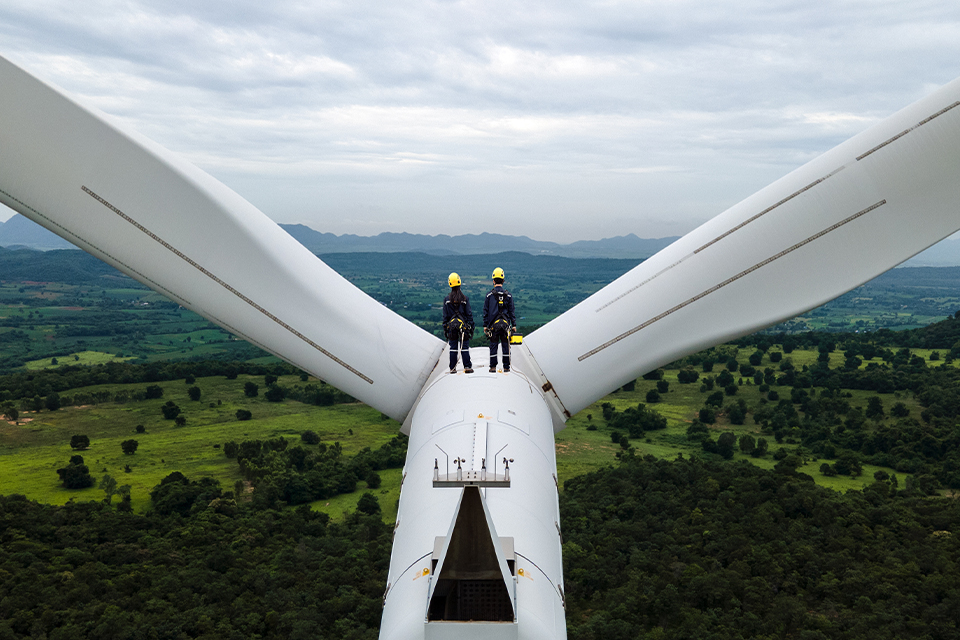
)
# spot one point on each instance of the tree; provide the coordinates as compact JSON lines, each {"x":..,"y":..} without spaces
{"x":153,"y":392}
{"x":747,"y":444}
{"x":788,"y":466}
{"x":194,"y":393}
{"x":52,"y":401}
{"x":140,"y":429}
{"x":310,"y":437}
{"x":109,"y":486}
{"x":80,"y":442}
{"x":715,"y":399}
{"x":243,"y":414}
{"x":251,"y":389}
{"x":630,"y":386}
{"x":899,"y":410}
{"x":663,"y":386}
{"x":736,"y":414}
{"x":190,"y":379}
{"x":373,"y":480}
{"x":170,"y":410}
{"x":762,"y":447}
{"x":125,"y":504}
{"x":707,"y":415}
{"x":180,"y":421}
{"x":874,"y":408}
{"x":269,"y":379}
{"x":726,"y":443}
{"x":274,"y":393}
{"x":653,"y":396}
{"x":11,"y":413}
{"x":368,"y":504}
{"x":687,"y":375}
{"x":75,"y":475}
{"x":129,"y":447}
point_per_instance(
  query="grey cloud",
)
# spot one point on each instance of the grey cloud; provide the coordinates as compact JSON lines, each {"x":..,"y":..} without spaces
{"x":645,"y":117}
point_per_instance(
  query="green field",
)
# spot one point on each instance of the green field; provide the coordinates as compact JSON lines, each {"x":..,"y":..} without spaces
{"x":33,"y":449}
{"x":580,"y":450}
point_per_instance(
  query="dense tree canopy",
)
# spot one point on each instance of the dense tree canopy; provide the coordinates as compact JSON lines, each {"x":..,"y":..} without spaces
{"x":688,"y":549}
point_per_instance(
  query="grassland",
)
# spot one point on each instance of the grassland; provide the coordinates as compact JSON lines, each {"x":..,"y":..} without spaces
{"x":32,"y":450}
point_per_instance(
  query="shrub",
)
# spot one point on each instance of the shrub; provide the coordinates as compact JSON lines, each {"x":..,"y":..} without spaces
{"x":80,"y":442}
{"x":75,"y":475}
{"x":194,"y":393}
{"x":274,"y":393}
{"x":251,"y":389}
{"x":170,"y":410}
{"x":129,"y":447}
{"x":154,"y":391}
{"x":715,"y":399}
{"x":243,"y":414}
{"x":653,"y":396}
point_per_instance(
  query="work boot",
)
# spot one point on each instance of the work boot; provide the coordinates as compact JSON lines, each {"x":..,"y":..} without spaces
{"x":453,"y":370}
{"x":468,"y":370}
{"x":493,"y":369}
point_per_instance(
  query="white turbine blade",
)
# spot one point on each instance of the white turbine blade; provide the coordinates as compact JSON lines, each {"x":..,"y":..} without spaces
{"x":174,"y":228}
{"x":826,"y":228}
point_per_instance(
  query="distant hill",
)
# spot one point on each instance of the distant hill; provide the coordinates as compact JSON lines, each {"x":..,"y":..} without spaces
{"x":629,"y":246}
{"x":19,"y":231}
{"x":70,"y":266}
{"x":945,"y":253}
{"x":24,"y":232}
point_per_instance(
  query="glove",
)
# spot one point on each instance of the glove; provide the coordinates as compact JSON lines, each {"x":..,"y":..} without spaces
{"x":513,"y":330}
{"x":487,"y":331}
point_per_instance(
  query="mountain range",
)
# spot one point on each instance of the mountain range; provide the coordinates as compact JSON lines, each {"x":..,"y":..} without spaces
{"x":19,"y":231}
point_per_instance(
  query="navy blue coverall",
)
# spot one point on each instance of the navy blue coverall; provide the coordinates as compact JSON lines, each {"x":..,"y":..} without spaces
{"x":499,"y":307}
{"x":460,"y":344}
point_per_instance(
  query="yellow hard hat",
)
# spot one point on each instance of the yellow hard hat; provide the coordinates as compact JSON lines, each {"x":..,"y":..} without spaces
{"x":454,"y":280}
{"x":498,"y":273}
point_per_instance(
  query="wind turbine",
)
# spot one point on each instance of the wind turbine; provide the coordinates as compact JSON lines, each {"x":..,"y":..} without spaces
{"x":477,"y":546}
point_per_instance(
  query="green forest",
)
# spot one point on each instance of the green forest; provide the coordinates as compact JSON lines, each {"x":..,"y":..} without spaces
{"x":164,"y":480}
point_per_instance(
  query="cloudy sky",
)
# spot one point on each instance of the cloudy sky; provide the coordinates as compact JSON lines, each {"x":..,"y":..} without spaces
{"x":557,"y":120}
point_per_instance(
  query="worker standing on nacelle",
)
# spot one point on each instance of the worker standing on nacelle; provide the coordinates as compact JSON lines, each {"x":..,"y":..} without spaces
{"x":458,"y":324}
{"x":499,"y":320}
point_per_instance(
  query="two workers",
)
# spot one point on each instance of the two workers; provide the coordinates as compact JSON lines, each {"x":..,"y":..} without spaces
{"x":499,"y":322}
